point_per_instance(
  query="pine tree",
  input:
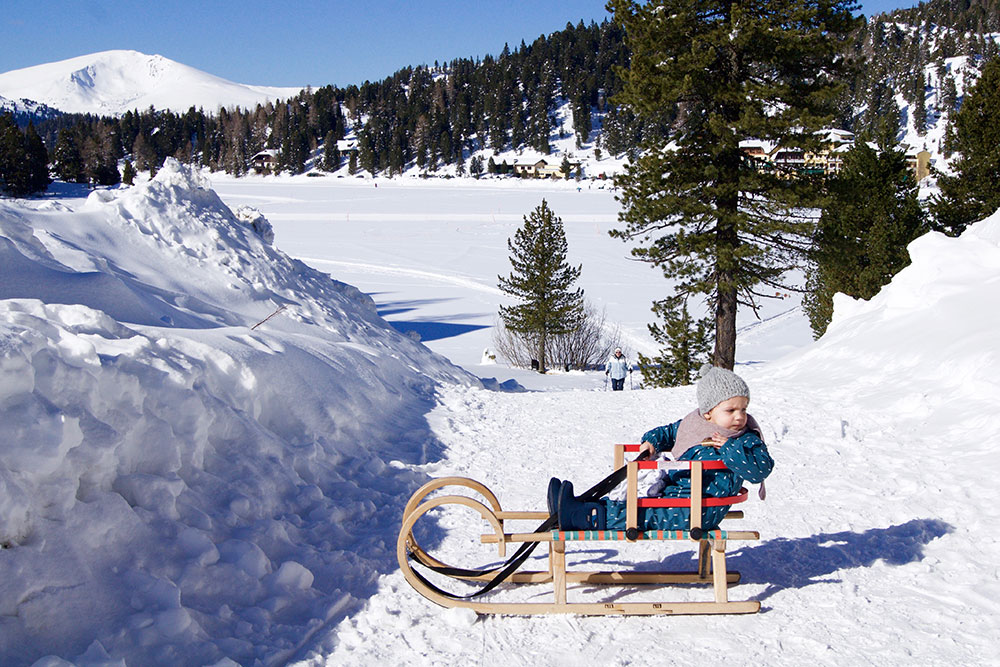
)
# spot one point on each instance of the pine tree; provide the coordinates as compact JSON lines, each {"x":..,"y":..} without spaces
{"x":871,"y":216}
{"x":707,"y":215}
{"x":36,"y":160}
{"x":128,"y":173}
{"x":973,"y":192}
{"x":542,"y":281}
{"x":24,"y":168}
{"x":331,"y":154}
{"x":68,"y":162}
{"x":685,"y":340}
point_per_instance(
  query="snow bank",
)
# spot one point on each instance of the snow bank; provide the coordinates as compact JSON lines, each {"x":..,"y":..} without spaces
{"x":924,"y":349}
{"x":177,"y":486}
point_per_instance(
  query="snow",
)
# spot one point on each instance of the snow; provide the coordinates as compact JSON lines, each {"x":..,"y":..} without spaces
{"x":180,"y":486}
{"x":110,"y":83}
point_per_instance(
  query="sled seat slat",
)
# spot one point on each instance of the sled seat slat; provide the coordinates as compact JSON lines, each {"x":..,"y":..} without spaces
{"x":618,"y":536}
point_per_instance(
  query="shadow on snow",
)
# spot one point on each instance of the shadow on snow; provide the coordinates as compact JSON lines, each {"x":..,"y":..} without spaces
{"x":781,"y":563}
{"x":435,"y":330}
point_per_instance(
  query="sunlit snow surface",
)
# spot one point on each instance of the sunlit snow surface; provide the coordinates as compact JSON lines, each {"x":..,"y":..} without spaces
{"x":177,"y":487}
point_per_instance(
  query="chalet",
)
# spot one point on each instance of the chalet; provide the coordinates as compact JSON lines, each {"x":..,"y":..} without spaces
{"x":828,"y":160}
{"x":919,"y":162}
{"x":543,"y":169}
{"x":265,"y":161}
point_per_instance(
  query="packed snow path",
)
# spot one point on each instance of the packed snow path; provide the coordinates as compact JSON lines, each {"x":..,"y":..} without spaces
{"x":861,"y":561}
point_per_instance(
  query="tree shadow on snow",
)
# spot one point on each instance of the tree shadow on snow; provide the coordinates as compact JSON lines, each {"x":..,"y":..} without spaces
{"x":434,"y":330}
{"x":387,"y":308}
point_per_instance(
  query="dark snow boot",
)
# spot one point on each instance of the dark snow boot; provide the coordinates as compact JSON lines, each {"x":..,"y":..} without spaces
{"x":577,"y":515}
{"x":552,"y":497}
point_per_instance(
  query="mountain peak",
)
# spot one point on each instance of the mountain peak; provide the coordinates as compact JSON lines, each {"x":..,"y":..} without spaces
{"x":109,"y":83}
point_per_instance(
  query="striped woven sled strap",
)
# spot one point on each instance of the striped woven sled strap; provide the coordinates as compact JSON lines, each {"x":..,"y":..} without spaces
{"x":616,"y":535}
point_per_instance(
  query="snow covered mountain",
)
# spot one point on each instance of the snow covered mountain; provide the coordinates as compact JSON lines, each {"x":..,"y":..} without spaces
{"x":110,"y":83}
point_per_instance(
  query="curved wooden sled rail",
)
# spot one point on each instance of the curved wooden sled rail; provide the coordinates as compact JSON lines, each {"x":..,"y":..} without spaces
{"x":712,"y":565}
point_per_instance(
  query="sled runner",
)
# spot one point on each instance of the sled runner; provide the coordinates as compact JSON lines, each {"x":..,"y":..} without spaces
{"x":711,"y":548}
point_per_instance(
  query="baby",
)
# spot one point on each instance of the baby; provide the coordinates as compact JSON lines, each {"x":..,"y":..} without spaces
{"x":719,"y":429}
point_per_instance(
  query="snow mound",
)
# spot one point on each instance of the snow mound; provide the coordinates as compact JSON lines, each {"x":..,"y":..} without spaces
{"x":203,"y":443}
{"x":924,"y":348}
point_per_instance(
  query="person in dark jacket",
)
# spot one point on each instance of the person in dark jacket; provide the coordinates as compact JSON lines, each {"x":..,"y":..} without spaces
{"x":719,"y":429}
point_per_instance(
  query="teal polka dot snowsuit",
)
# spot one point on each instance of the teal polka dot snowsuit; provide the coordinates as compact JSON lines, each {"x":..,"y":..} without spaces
{"x":746,"y":457}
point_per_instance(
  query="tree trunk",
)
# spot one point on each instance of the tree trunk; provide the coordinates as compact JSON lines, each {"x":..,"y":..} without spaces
{"x":725,"y":329}
{"x":727,"y":242}
{"x":541,"y":353}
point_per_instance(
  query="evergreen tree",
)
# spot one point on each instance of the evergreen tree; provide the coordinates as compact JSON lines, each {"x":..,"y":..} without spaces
{"x":860,"y":244}
{"x":542,"y":281}
{"x":36,"y":160}
{"x":710,"y":218}
{"x":685,"y":344}
{"x":973,"y":192}
{"x":24,"y":168}
{"x":566,"y":167}
{"x":476,"y":166}
{"x":331,"y":154}
{"x":99,"y":161}
{"x":128,"y":173}
{"x":68,"y":161}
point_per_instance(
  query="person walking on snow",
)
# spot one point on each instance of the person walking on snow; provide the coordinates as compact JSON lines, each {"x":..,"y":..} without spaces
{"x":617,"y":367}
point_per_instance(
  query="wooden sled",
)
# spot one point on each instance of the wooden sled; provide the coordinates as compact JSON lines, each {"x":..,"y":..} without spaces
{"x":711,"y":549}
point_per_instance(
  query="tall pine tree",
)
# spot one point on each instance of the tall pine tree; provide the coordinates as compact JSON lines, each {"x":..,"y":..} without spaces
{"x":870,"y":217}
{"x":542,"y":281}
{"x":973,"y":192}
{"x":702,"y":210}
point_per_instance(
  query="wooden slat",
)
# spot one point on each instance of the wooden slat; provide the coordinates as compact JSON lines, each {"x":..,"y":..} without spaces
{"x":559,"y":572}
{"x":719,"y":571}
{"x":632,"y":491}
{"x":611,"y":578}
{"x":534,"y":516}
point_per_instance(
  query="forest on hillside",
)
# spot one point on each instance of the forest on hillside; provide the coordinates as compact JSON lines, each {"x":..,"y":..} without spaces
{"x":458,"y":113}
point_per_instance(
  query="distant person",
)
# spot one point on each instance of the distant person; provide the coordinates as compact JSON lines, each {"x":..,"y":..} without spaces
{"x":617,"y":367}
{"x":720,"y":429}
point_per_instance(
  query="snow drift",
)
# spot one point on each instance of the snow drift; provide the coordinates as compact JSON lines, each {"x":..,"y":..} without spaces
{"x":924,"y":349}
{"x":177,"y":486}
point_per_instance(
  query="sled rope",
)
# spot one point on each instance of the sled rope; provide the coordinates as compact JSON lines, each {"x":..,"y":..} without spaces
{"x":513,"y":563}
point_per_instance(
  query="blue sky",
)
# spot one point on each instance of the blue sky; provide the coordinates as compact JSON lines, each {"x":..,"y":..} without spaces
{"x":295,"y":43}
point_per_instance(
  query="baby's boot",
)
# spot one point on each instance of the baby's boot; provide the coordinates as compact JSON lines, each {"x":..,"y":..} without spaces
{"x":552,"y":496}
{"x":577,"y":515}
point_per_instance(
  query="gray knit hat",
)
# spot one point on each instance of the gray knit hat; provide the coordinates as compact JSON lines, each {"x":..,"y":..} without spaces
{"x":717,"y":385}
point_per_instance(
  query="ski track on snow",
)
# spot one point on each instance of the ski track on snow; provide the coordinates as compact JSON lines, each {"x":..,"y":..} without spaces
{"x":411,"y":273}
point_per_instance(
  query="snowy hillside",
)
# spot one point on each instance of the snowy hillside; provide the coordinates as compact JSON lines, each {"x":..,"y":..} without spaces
{"x":113,"y":82}
{"x":963,"y":72}
{"x":35,"y":110}
{"x":177,"y":486}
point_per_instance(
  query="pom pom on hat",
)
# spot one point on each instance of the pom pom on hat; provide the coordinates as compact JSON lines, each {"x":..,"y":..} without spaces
{"x":717,"y":385}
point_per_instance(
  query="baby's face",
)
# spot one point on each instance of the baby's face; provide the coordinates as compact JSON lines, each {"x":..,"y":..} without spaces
{"x":730,"y":414}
